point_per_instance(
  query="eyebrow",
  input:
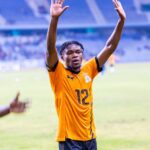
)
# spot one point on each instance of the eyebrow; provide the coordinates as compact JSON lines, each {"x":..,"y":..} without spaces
{"x":75,"y":49}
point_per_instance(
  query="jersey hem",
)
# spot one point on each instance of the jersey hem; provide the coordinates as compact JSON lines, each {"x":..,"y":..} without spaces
{"x":76,"y":139}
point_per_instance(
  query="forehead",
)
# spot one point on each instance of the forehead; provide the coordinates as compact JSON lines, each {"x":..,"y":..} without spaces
{"x":74,"y":47}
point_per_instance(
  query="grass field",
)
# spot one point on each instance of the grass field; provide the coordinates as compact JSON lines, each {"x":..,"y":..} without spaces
{"x":122,"y":110}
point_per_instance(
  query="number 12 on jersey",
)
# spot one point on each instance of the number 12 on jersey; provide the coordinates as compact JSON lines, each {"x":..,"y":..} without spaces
{"x":82,"y":96}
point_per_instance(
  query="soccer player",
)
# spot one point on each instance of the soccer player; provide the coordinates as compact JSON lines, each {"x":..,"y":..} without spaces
{"x":111,"y":62}
{"x":16,"y":106}
{"x":72,"y":83}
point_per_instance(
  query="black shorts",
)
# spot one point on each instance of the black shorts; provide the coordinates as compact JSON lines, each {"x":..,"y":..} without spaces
{"x":69,"y":144}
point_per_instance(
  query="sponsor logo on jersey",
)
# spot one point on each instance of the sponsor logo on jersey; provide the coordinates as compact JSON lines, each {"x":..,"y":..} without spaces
{"x":70,"y":77}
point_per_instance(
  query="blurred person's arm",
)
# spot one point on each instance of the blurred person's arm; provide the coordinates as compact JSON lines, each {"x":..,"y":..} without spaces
{"x":16,"y":106}
{"x":56,"y":10}
{"x":114,"y":39}
{"x":4,"y":110}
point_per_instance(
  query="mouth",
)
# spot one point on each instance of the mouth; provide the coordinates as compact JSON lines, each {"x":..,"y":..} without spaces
{"x":75,"y":61}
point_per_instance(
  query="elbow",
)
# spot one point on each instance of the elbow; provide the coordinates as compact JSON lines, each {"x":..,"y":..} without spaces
{"x":49,"y":47}
{"x":111,"y":47}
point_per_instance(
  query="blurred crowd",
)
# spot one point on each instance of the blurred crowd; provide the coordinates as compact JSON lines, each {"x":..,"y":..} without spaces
{"x":21,"y":47}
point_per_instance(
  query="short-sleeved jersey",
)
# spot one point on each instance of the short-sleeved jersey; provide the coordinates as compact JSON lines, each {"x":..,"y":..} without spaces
{"x":74,"y":101}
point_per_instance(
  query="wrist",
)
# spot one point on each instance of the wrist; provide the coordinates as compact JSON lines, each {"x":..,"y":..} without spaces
{"x":122,"y":20}
{"x":55,"y":18}
{"x":9,"y":108}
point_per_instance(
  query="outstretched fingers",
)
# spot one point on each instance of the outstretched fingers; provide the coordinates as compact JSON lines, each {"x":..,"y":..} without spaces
{"x":119,"y":9}
{"x":60,"y":2}
{"x":57,"y":8}
{"x":65,"y":8}
{"x":17,"y":97}
{"x":115,"y":2}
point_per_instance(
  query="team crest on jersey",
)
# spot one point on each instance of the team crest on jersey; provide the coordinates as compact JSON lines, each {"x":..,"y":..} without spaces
{"x":70,"y":77}
{"x":87,"y":78}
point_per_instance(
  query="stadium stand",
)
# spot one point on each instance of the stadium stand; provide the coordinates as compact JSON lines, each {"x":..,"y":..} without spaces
{"x":18,"y":12}
{"x":36,"y":12}
{"x":78,"y":23}
{"x":129,"y":7}
{"x":81,"y":16}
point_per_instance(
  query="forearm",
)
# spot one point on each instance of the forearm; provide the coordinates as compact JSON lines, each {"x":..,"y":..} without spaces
{"x":111,"y":44}
{"x":116,"y":35}
{"x":56,"y":10}
{"x":114,"y":39}
{"x":4,"y":111}
{"x":51,"y":35}
{"x":51,"y":56}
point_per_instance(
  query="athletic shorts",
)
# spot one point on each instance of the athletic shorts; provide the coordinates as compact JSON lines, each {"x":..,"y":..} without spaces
{"x":69,"y":144}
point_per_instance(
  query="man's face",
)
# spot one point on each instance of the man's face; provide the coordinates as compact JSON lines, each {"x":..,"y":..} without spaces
{"x":72,"y":56}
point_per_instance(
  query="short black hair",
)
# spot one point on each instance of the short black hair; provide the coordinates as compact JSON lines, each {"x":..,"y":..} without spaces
{"x":66,"y":44}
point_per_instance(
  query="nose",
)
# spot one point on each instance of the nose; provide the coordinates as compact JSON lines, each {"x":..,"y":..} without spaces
{"x":75,"y":55}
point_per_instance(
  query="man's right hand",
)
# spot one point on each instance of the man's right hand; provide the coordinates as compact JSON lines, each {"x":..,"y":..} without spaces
{"x":56,"y":8}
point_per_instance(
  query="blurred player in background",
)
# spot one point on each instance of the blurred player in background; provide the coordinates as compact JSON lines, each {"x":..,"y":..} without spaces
{"x":16,"y":106}
{"x":111,"y":62}
{"x":72,"y":82}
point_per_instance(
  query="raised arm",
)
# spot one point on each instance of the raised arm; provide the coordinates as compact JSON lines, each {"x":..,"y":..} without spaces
{"x":56,"y":10}
{"x":113,"y":40}
{"x":15,"y":106}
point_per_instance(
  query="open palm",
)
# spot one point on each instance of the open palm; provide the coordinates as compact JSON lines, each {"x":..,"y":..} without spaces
{"x":119,"y":9}
{"x":56,"y":8}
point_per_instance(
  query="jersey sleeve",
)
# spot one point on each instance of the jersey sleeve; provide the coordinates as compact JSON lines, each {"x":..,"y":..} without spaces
{"x":56,"y":74}
{"x":93,"y":67}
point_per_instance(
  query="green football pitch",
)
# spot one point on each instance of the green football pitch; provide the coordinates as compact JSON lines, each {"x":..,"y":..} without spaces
{"x":121,"y":108}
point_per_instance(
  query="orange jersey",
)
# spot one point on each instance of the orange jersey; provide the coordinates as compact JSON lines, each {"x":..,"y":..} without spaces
{"x":74,"y":101}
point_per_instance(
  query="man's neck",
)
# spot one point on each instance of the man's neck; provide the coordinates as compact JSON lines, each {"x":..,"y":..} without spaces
{"x":74,"y":70}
